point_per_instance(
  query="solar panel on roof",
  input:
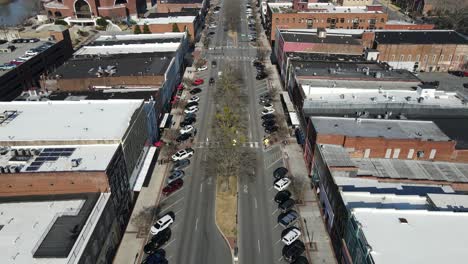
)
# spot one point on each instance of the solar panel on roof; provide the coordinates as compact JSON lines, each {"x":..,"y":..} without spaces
{"x":67,"y":154}
{"x":69,"y":149}
{"x":37,"y":163}
{"x":41,"y":159}
{"x":52,"y":158}
{"x":35,"y":168}
{"x":48,"y":150}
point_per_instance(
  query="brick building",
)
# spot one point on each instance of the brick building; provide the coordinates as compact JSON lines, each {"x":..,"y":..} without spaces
{"x":403,"y":25}
{"x":303,"y":15}
{"x":148,"y":62}
{"x":355,"y":2}
{"x":191,"y":22}
{"x":170,"y":6}
{"x":384,"y":139}
{"x":425,"y":50}
{"x":95,"y":8}
{"x":25,"y":74}
{"x":75,"y":175}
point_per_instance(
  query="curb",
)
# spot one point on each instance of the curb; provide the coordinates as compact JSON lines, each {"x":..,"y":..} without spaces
{"x":219,"y":229}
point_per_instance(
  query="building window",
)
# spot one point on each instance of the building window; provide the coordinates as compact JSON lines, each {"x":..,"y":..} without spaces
{"x":418,"y":57}
{"x":341,"y":20}
{"x":441,"y":58}
{"x":425,"y":58}
{"x":402,"y":58}
{"x":382,"y":20}
{"x":294,"y":20}
{"x":277,"y":20}
{"x":432,"y":154}
{"x":117,"y":2}
{"x":287,"y":20}
{"x":328,"y":20}
{"x":458,"y":58}
{"x":393,"y":58}
{"x":434,"y":58}
{"x":409,"y":58}
{"x":420,"y":154}
{"x":410,"y":154}
{"x":388,"y":153}
{"x":367,"y":153}
{"x":450,"y":58}
{"x":396,"y":153}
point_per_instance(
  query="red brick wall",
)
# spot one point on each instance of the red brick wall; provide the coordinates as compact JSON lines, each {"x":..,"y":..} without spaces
{"x":168,"y":8}
{"x":84,"y":84}
{"x":323,"y":48}
{"x":161,"y":28}
{"x":99,"y":8}
{"x":20,"y":184}
{"x":299,"y":20}
{"x":445,"y":150}
{"x":409,"y":27}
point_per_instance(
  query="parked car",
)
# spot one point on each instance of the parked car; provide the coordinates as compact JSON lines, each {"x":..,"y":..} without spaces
{"x":457,"y":73}
{"x":280,"y":172}
{"x":268,"y":111}
{"x":172,"y":187}
{"x":256,"y":63}
{"x":183,"y":137}
{"x":186,"y":129}
{"x":6,"y":67}
{"x":192,"y":109}
{"x":288,"y":218}
{"x":268,"y":117}
{"x":290,"y":234}
{"x":286,"y":205}
{"x":268,"y":123}
{"x":271,"y":129}
{"x":300,"y":260}
{"x":198,"y":82}
{"x":465,"y":85}
{"x":268,"y":106}
{"x":31,"y":52}
{"x":195,"y":91}
{"x":264,"y":101}
{"x":188,"y":121}
{"x":282,"y":196}
{"x":282,"y":184}
{"x":188,"y":105}
{"x":213,"y":64}
{"x":293,"y":251}
{"x":180,"y":164}
{"x":164,"y":222}
{"x":194,"y":99}
{"x":175,"y":175}
{"x":212,"y":81}
{"x":261,"y":76}
{"x":202,"y":68}
{"x":157,"y":241}
{"x":266,"y":96}
{"x":158,"y":257}
{"x":183,"y":154}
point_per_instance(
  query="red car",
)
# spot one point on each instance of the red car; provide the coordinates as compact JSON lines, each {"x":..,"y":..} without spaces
{"x":180,"y":87}
{"x":198,"y":82}
{"x":173,"y":186}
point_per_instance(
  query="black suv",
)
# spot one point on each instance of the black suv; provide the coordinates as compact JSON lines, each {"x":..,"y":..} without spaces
{"x":188,"y":121}
{"x":301,"y":260}
{"x":282,"y":196}
{"x":157,"y":241}
{"x":286,"y":205}
{"x":293,"y":251}
{"x":280,"y":172}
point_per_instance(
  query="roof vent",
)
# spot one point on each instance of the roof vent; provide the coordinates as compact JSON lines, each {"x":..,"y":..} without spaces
{"x":403,"y":220}
{"x":76,"y":162}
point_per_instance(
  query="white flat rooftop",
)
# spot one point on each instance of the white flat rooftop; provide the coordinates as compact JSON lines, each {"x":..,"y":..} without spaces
{"x":128,"y":49}
{"x":327,"y":95}
{"x":166,"y":20}
{"x":59,"y":158}
{"x":368,"y":200}
{"x":428,"y":237}
{"x":25,"y":225}
{"x":448,"y":201}
{"x":321,"y":8}
{"x":125,"y":37}
{"x":67,"y":120}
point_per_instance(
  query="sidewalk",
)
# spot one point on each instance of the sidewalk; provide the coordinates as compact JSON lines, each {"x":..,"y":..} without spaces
{"x":315,"y":236}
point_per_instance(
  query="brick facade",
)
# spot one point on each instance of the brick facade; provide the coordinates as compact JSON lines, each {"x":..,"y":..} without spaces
{"x":46,"y":183}
{"x":162,"y":28}
{"x":305,"y":20}
{"x":84,"y":84}
{"x":103,"y":8}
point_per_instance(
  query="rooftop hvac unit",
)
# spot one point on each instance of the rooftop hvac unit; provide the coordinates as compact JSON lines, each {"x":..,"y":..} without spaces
{"x":76,"y":162}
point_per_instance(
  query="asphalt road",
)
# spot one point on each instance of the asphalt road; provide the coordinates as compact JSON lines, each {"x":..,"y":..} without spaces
{"x":259,"y":234}
{"x":195,"y":237}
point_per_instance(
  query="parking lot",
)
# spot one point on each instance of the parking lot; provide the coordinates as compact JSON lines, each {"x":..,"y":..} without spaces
{"x":448,"y":82}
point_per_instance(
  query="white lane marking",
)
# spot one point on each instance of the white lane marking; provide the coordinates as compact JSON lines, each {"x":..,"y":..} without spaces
{"x":178,"y":211}
{"x":255,"y":200}
{"x":270,"y":188}
{"x":279,"y":260}
{"x":258,"y":242}
{"x":248,"y":116}
{"x":172,"y":194}
{"x":277,"y":241}
{"x":273,"y":163}
{"x":204,"y":158}
{"x":246,"y":188}
{"x":274,"y":212}
{"x":275,"y":226}
{"x":201,"y":187}
{"x":250,"y":134}
{"x":168,"y":244}
{"x":209,"y":181}
{"x":196,"y":224}
{"x":172,"y":204}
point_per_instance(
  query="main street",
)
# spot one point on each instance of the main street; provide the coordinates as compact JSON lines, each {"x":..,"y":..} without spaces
{"x":195,"y":236}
